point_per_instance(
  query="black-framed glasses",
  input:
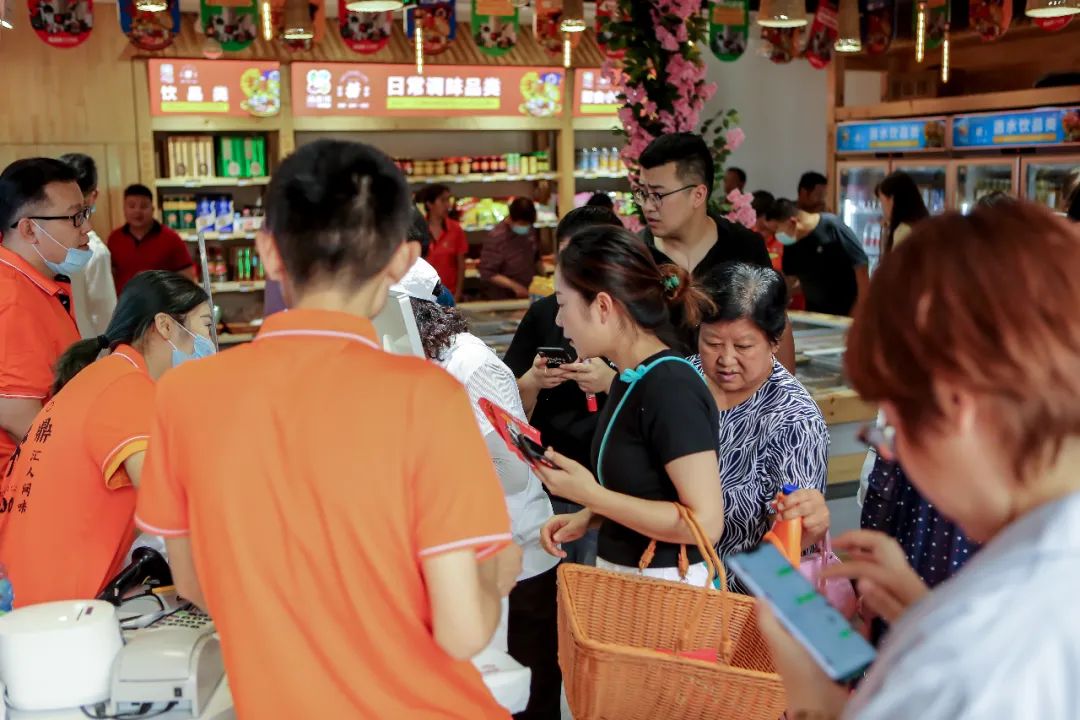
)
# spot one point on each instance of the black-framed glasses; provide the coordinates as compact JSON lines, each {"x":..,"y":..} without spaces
{"x":644,"y":196}
{"x":76,"y":220}
{"x":880,"y":439}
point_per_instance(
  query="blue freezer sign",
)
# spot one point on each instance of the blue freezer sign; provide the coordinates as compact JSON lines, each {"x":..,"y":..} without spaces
{"x":891,"y":135}
{"x":1043,"y":126}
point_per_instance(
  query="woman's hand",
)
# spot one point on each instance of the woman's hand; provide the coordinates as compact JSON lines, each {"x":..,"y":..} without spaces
{"x":809,"y":689}
{"x":809,"y":506}
{"x":568,"y":479}
{"x":592,"y":375}
{"x":886,"y":583}
{"x":564,"y":529}
{"x":542,"y":377}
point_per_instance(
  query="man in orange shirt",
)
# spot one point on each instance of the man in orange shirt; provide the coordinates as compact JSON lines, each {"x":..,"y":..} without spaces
{"x":44,"y":221}
{"x":339,"y":518}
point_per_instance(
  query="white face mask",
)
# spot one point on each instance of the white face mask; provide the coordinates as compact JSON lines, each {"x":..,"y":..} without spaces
{"x":74,"y":260}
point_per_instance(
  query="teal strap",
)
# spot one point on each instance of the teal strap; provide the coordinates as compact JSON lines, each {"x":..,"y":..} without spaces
{"x":632,"y":376}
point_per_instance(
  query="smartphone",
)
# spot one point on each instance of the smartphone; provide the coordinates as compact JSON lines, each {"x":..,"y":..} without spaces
{"x":533,"y":452}
{"x":555,"y":356}
{"x":836,"y":646}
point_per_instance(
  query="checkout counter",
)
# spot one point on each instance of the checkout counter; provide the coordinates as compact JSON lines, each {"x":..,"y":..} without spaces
{"x":819,"y":356}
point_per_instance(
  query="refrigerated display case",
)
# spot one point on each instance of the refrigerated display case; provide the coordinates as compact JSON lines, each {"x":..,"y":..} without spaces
{"x":858,"y":206}
{"x":932,"y":177}
{"x":1045,"y":179}
{"x":974,"y":179}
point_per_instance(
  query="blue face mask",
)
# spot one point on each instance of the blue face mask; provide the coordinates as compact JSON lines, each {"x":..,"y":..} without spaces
{"x":203,"y":348}
{"x":785,"y":239}
{"x":74,"y":261}
{"x":521,"y":229}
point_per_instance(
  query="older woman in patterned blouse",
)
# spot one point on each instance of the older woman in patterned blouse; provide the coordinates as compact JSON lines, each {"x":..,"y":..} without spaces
{"x":771,"y":431}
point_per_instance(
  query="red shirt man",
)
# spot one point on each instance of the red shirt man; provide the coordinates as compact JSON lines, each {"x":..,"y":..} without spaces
{"x":143,"y":243}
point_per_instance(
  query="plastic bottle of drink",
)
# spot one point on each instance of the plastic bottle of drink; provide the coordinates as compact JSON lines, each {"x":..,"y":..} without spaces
{"x":789,"y":532}
{"x":7,"y":594}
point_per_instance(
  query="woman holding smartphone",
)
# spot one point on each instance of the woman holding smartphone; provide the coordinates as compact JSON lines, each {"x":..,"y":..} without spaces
{"x":656,"y":440}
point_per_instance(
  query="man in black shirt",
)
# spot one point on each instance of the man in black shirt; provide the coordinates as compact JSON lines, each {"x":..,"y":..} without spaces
{"x":813,"y":189}
{"x":825,"y":256}
{"x":676,"y":182}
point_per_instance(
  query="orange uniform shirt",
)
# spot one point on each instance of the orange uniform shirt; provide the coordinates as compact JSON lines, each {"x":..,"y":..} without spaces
{"x":326,"y":472}
{"x":67,"y":506}
{"x":36,"y":327}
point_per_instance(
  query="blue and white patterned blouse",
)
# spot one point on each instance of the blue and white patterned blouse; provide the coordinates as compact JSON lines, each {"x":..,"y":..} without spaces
{"x":776,"y":436}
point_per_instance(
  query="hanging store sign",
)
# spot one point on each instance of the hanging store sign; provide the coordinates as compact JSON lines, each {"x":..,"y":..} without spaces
{"x":344,"y":89}
{"x":1042,"y":126}
{"x":238,"y":88}
{"x":907,"y":135}
{"x":595,"y":94}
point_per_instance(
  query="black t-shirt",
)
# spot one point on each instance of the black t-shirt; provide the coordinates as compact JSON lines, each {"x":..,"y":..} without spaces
{"x":561,"y":414}
{"x":825,"y":262}
{"x":734,"y":243}
{"x":669,"y":414}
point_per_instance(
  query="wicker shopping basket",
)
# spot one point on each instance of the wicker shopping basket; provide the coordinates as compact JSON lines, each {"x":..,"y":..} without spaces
{"x":612,"y":627}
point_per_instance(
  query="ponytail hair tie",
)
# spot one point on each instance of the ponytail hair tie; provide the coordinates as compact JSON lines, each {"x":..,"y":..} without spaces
{"x":103,"y":342}
{"x":671,"y":283}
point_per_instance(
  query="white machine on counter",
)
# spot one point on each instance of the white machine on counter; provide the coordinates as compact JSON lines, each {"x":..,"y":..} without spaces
{"x":396,"y":326}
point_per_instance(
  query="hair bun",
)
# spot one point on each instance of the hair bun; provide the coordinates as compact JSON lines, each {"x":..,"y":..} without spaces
{"x":675,"y":281}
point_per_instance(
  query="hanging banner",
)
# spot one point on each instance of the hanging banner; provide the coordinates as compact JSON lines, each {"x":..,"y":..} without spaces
{"x":1039,"y":127}
{"x":317,"y":14}
{"x":879,"y":25}
{"x":365,"y":33}
{"x":238,"y":88}
{"x":909,"y":134}
{"x":547,"y":19}
{"x":607,"y":12}
{"x":938,"y":15}
{"x":233,"y":23}
{"x":823,"y":33}
{"x":494,"y":26}
{"x":1054,"y":24}
{"x":62,"y":23}
{"x":729,"y":28}
{"x":990,"y":18}
{"x":595,"y":95}
{"x":781,"y":45}
{"x":376,"y":90}
{"x":437,"y":21}
{"x":147,"y":30}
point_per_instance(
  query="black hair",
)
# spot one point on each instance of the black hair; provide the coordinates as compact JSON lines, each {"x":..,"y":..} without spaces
{"x":781,"y":210}
{"x":908,"y":205}
{"x":430,"y":193}
{"x":23,"y":183}
{"x":85,"y":171}
{"x":753,"y":292}
{"x":522,"y":209}
{"x":585,"y":217}
{"x":692,"y":158}
{"x":138,"y":190}
{"x":763,"y":200}
{"x":811,"y":180}
{"x":600,"y":199}
{"x":419,"y":232}
{"x":146,"y":296}
{"x":438,"y":326}
{"x":337,"y":209}
{"x":1072,"y":197}
{"x":739,"y":173}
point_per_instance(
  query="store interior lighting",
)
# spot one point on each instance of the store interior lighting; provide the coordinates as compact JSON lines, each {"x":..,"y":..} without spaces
{"x":298,"y":24}
{"x":782,"y":13}
{"x":849,"y":39}
{"x":374,"y":6}
{"x":573,"y":18}
{"x":1052,"y":8}
{"x":153,"y":6}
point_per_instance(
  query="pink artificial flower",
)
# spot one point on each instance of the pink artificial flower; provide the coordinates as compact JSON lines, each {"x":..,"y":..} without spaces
{"x":632,"y":223}
{"x":649,"y":109}
{"x":734,"y":138}
{"x":626,"y":116}
{"x":667,"y":121}
{"x":634,"y":94}
{"x":681,"y":34}
{"x":740,"y":199}
{"x":667,"y":40}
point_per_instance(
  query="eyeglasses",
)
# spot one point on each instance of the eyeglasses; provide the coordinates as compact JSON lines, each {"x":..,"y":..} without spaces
{"x":76,"y":220}
{"x":641,"y":197}
{"x":881,"y":440}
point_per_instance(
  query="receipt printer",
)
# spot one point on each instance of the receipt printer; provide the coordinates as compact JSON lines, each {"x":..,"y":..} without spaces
{"x":181,"y":666}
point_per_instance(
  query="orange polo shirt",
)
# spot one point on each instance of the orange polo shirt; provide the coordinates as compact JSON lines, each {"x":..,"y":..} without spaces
{"x":67,"y":506}
{"x":37,"y":324}
{"x":328,"y":470}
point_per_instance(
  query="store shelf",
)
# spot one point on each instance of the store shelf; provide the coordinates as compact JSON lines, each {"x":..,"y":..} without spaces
{"x":589,"y":175}
{"x":479,"y":178}
{"x":194,"y":237}
{"x":241,"y":286}
{"x":210,"y":182}
{"x":489,"y":228}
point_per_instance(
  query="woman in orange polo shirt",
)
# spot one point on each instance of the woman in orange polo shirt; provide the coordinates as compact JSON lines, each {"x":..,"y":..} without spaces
{"x":67,"y":498}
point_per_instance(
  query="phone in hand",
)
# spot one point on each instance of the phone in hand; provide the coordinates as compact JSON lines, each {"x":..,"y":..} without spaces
{"x":555,"y":356}
{"x":533,"y":452}
{"x":518,"y":435}
{"x":819,"y":627}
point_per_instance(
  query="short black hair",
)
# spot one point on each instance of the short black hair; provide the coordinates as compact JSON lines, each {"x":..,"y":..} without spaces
{"x":692,"y":158}
{"x":601,"y":199}
{"x":522,"y":209}
{"x":763,"y":200}
{"x":430,"y":193}
{"x":739,"y":173}
{"x":337,"y":210}
{"x":85,"y":170}
{"x":811,"y":180}
{"x":585,"y":217}
{"x":419,"y":232}
{"x":138,"y":190}
{"x":753,"y":292}
{"x":780,"y":210}
{"x":23,"y":183}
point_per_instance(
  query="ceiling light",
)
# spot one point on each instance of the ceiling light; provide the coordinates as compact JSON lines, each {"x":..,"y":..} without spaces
{"x":154,"y":6}
{"x":849,"y":39}
{"x":298,"y":25}
{"x":573,"y":16}
{"x":1051,"y":8}
{"x":782,"y":13}
{"x":374,"y":6}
